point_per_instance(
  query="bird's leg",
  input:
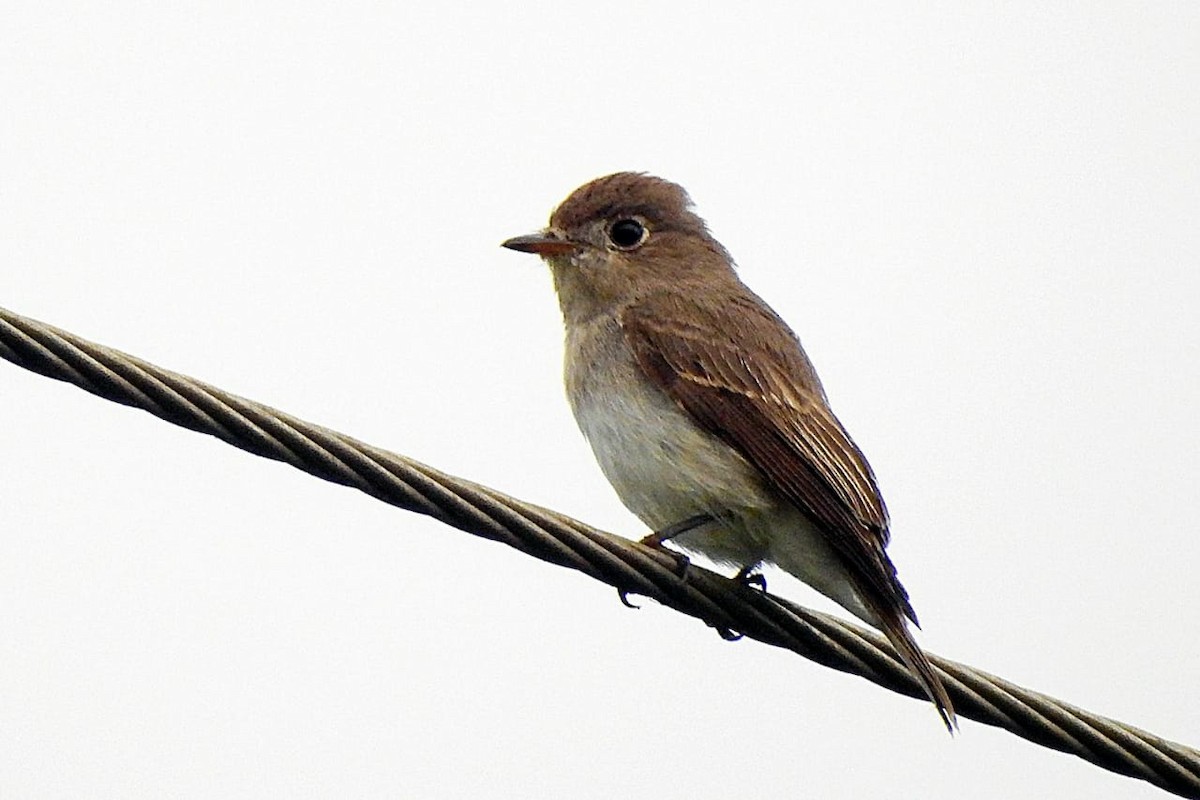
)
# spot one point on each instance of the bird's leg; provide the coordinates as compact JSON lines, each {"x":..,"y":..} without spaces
{"x":668,"y":533}
{"x":659,"y":537}
{"x":748,"y":577}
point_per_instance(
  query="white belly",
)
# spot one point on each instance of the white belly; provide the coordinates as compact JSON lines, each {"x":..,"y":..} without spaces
{"x":664,"y":468}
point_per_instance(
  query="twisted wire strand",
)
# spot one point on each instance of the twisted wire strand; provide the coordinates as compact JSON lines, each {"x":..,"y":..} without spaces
{"x":629,"y":566}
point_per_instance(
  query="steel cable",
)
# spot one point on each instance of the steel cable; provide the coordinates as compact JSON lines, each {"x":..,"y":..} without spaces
{"x":630,"y":567}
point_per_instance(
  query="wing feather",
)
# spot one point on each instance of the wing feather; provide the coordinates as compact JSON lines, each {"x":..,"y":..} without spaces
{"x":759,"y":394}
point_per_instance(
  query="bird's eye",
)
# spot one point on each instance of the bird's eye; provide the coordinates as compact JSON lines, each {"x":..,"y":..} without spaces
{"x":627,"y":233}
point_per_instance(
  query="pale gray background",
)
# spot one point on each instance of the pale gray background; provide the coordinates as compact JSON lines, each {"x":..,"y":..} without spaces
{"x":983,"y":222}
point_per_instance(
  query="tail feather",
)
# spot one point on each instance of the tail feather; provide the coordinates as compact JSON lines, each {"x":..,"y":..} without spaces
{"x":896,"y":629}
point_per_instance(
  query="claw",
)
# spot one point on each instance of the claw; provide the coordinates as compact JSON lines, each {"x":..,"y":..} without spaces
{"x":728,"y":635}
{"x":625,"y":601}
{"x":682,"y":562}
{"x":748,"y":577}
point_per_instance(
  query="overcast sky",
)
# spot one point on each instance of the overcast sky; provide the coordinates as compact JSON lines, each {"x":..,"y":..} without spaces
{"x":982,"y":222}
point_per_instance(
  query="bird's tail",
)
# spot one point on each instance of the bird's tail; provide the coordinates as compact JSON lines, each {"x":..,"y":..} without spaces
{"x":895,"y":627}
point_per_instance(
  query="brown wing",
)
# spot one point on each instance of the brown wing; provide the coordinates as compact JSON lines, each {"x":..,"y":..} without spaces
{"x":752,"y":386}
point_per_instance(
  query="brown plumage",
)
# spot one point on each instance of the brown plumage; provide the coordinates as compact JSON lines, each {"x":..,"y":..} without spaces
{"x":698,"y":399}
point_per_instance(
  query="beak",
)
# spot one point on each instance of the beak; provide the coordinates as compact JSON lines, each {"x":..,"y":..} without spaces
{"x":547,"y":243}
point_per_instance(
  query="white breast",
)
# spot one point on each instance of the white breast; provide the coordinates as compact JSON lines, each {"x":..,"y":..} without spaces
{"x":662,"y":466}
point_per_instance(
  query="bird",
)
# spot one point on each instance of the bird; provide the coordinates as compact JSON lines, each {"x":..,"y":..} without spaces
{"x":704,"y":412}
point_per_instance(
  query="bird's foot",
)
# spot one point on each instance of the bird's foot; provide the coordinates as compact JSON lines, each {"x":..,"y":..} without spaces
{"x":749,"y":578}
{"x":682,"y":563}
{"x":661,"y":537}
{"x":656,"y":541}
{"x":727,"y":634}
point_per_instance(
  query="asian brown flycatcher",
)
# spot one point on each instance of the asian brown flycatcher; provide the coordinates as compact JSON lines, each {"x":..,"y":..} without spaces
{"x":703,"y":410}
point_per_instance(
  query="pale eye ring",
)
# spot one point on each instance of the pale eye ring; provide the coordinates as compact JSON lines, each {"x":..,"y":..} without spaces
{"x":627,"y":233}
